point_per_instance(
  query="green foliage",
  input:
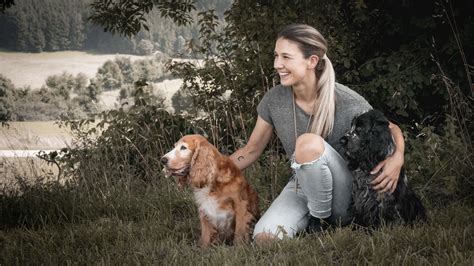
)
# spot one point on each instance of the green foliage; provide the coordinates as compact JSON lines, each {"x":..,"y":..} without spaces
{"x":51,"y":101}
{"x":128,"y":144}
{"x":53,"y":25}
{"x":77,"y":97}
{"x":110,"y":76}
{"x":61,"y":84}
{"x":146,"y":69}
{"x":126,"y":68}
{"x":128,"y":17}
{"x":80,"y":83}
{"x":6,"y":103}
{"x":145,"y":47}
{"x":442,"y":163}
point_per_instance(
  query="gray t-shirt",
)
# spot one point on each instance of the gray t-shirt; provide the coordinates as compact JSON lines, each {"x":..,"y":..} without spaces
{"x":276,"y":108}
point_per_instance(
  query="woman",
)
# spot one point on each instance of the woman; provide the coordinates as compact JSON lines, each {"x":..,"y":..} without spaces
{"x":309,"y":113}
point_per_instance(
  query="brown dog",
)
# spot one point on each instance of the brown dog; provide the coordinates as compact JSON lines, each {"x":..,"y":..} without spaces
{"x":228,"y":206}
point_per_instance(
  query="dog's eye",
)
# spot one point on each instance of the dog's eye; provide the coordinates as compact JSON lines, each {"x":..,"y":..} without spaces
{"x":182,"y":147}
{"x":358,"y":128}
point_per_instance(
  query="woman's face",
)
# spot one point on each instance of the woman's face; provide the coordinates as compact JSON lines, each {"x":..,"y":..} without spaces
{"x":293,"y":69}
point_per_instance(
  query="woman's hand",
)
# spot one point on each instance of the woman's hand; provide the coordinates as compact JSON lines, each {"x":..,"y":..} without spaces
{"x":387,"y":180}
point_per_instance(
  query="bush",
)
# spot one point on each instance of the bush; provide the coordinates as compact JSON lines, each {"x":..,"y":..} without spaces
{"x":110,"y":76}
{"x":6,"y":98}
{"x":145,"y":47}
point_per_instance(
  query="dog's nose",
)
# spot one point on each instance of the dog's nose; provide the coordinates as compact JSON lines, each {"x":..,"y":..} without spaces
{"x":164,"y":160}
{"x":343,"y":140}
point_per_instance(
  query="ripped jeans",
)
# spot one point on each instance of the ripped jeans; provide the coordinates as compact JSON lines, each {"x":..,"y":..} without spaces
{"x":321,"y":188}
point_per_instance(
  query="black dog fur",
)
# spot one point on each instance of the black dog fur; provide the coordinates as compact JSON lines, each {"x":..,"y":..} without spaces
{"x":367,"y":143}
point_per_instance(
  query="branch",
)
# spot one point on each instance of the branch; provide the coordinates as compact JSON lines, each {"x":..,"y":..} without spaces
{"x":127,"y":17}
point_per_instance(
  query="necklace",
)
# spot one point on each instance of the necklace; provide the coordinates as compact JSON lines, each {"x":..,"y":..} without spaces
{"x":294,"y":117}
{"x":296,"y":131}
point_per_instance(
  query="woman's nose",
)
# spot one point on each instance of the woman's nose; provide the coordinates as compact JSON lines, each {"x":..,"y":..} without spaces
{"x":277,"y":63}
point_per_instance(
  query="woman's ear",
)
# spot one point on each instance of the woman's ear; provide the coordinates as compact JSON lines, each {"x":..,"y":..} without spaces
{"x":313,"y":61}
{"x":203,"y":167}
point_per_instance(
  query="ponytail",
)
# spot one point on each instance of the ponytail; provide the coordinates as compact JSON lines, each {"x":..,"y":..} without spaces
{"x":324,"y":111}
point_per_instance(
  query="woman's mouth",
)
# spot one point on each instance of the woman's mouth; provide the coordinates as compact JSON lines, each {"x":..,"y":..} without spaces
{"x":283,"y":74}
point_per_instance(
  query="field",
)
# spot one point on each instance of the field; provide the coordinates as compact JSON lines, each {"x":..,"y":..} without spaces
{"x":120,"y":209}
{"x":37,"y":135}
{"x":20,"y":141}
{"x":32,"y":69}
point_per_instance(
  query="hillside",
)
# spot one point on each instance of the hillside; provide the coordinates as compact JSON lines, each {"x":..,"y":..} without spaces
{"x":32,"y":69}
{"x":56,"y":25}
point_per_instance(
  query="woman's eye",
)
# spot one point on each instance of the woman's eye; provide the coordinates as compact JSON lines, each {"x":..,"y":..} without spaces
{"x":358,"y":128}
{"x":182,"y":148}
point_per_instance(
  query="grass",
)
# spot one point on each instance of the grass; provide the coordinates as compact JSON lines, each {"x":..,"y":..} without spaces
{"x":34,"y":135}
{"x":12,"y":167}
{"x":137,"y":222}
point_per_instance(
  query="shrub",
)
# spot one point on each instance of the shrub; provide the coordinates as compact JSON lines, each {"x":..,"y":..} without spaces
{"x":145,"y":47}
{"x":110,"y":76}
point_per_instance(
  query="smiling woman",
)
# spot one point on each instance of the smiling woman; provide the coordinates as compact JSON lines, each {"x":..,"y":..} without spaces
{"x":309,"y":112}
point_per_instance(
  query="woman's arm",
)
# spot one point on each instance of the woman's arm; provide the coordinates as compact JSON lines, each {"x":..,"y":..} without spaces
{"x":387,"y":180}
{"x":257,"y":142}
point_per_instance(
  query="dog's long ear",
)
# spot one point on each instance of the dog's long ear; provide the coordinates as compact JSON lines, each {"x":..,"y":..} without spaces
{"x":380,"y":122}
{"x":203,"y":168}
{"x":383,"y":143}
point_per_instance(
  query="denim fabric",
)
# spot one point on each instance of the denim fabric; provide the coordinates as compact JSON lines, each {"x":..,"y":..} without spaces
{"x":321,"y":188}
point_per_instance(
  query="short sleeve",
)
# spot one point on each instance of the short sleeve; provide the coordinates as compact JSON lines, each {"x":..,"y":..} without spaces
{"x":263,"y":109}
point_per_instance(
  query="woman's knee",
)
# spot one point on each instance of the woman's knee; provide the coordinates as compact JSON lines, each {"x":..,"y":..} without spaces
{"x":309,"y":147}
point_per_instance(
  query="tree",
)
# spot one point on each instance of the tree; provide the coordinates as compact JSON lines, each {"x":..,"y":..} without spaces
{"x":127,"y":17}
{"x":147,"y":69}
{"x":39,"y":41}
{"x":80,"y":83}
{"x":179,"y":45}
{"x":6,"y":99}
{"x":125,"y":65}
{"x":145,"y":47}
{"x":61,"y":84}
{"x":110,"y":76}
{"x":77,"y":34}
{"x":22,"y":32}
{"x":54,"y":33}
{"x":92,"y":92}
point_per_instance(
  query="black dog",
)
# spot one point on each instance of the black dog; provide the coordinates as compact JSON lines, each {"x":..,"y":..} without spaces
{"x":367,"y":143}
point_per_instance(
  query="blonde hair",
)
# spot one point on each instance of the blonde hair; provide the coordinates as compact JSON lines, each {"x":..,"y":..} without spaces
{"x":311,"y":42}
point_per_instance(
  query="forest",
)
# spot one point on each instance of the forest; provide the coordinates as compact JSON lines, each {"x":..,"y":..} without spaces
{"x":112,"y":203}
{"x":56,"y":25}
